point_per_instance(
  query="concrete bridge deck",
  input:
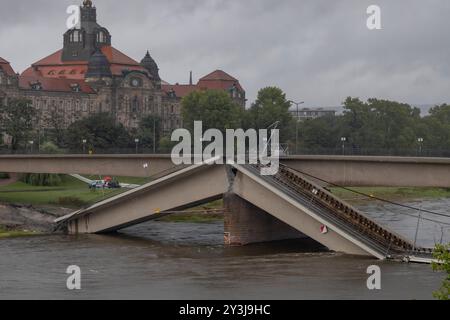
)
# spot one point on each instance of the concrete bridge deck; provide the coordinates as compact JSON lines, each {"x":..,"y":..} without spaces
{"x":343,"y":170}
{"x":289,"y":197}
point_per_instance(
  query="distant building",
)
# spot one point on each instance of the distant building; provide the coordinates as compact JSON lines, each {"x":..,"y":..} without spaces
{"x":312,"y":113}
{"x":88,"y":75}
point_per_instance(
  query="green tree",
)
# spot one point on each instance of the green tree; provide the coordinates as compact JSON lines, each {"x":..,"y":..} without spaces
{"x":214,"y":108}
{"x":436,"y":128}
{"x":101,"y":132}
{"x":41,"y":179}
{"x":166,"y":145}
{"x":16,"y":120}
{"x":320,"y":135}
{"x":50,"y":148}
{"x":270,"y":106}
{"x":44,"y":179}
{"x":442,"y":255}
{"x":380,"y":124}
{"x":149,"y":131}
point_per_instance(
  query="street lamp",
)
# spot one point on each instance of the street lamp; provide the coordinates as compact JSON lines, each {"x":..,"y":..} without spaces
{"x":420,"y":141}
{"x":84,"y":145}
{"x":343,"y":140}
{"x":297,"y":118}
{"x":136,"y":141}
{"x":31,"y":142}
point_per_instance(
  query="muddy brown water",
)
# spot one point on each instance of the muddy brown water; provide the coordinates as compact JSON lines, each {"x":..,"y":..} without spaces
{"x":163,"y":260}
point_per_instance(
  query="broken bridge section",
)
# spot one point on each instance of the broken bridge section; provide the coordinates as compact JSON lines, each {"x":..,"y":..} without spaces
{"x":257,"y":209}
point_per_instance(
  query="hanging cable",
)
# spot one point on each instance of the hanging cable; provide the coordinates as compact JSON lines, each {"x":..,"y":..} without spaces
{"x":370,"y":196}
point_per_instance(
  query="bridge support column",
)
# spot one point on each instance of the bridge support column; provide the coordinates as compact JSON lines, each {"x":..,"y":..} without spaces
{"x":245,"y":224}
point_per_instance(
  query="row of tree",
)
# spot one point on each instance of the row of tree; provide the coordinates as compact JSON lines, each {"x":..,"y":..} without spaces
{"x":365,"y":127}
{"x":99,"y":131}
{"x":375,"y":126}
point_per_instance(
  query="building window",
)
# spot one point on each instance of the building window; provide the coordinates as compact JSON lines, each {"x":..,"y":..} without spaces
{"x":101,"y":37}
{"x":37,"y":86}
{"x":135,"y":106}
{"x":76,"y":36}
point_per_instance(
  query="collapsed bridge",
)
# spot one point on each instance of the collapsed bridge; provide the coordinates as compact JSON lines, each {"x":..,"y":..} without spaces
{"x":258,"y":208}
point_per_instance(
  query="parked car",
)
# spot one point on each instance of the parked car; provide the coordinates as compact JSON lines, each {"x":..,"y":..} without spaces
{"x":97,"y":184}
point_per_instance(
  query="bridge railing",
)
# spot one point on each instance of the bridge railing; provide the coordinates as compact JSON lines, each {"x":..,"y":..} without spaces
{"x":445,"y":153}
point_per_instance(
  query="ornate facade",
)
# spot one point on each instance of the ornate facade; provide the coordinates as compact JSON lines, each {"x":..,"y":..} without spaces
{"x":89,"y":76}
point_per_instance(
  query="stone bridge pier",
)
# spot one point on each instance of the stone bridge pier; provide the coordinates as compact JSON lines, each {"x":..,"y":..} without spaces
{"x":246,"y":224}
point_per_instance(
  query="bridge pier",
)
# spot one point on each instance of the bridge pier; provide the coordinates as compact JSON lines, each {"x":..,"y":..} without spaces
{"x":246,"y":224}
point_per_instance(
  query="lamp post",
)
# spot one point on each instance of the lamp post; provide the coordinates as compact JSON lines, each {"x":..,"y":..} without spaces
{"x":154,"y":134}
{"x":343,"y":140}
{"x":420,"y":141}
{"x":297,"y":119}
{"x":84,"y":141}
{"x":136,"y":141}
{"x":31,"y":142}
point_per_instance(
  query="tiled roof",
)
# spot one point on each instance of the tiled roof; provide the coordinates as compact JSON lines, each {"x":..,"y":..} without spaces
{"x":217,"y":80}
{"x":181,"y":90}
{"x":53,"y":66}
{"x":218,"y":75}
{"x":54,"y":85}
{"x":6,"y":67}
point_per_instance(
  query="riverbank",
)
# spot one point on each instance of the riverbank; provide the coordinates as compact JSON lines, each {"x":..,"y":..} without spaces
{"x":399,"y":194}
{"x":21,"y":220}
{"x":17,"y":233}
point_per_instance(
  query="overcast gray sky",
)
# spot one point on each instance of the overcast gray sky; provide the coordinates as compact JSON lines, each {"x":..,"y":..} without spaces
{"x":319,"y":51}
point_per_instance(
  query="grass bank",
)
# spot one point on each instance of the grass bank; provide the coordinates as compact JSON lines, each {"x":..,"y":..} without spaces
{"x":71,"y":193}
{"x":129,"y":180}
{"x":392,"y":193}
{"x":16,"y":233}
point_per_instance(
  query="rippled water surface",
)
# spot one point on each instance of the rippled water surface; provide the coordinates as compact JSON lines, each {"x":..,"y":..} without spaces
{"x":161,"y":260}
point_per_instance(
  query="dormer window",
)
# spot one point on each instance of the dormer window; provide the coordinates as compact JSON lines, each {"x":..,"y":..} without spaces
{"x":36,"y":85}
{"x":75,"y":87}
{"x":172,"y":93}
{"x":51,"y":73}
{"x":76,"y":36}
{"x":101,"y":37}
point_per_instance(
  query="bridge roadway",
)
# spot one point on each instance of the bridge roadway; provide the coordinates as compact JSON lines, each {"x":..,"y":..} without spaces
{"x":288,"y":196}
{"x":343,"y":170}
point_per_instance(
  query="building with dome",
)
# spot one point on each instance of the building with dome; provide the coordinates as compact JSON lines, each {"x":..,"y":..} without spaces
{"x":88,"y":75}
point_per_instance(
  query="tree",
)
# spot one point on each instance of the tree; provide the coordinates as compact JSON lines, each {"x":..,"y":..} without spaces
{"x":214,"y":108}
{"x":44,"y":179}
{"x":270,"y":106}
{"x":166,"y":145}
{"x":442,"y":255}
{"x":50,"y":148}
{"x":149,"y":131}
{"x":436,"y":127}
{"x":16,"y":117}
{"x":101,"y":132}
{"x":319,"y":135}
{"x":380,"y":124}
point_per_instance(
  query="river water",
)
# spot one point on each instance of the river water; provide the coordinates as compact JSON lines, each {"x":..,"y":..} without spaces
{"x":162,"y":260}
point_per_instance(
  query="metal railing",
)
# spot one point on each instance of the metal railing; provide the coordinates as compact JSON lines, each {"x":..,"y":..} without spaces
{"x":336,"y":211}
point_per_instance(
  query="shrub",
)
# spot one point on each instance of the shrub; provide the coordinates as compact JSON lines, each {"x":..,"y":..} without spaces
{"x":42,"y":179}
{"x":71,"y":201}
{"x":4,"y":175}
